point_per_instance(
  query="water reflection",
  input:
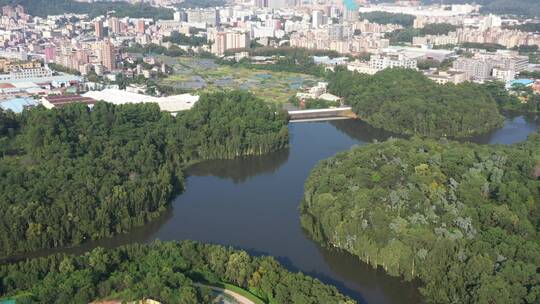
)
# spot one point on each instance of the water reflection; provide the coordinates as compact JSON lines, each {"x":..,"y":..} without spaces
{"x":362,"y":131}
{"x":241,"y":169}
{"x":516,"y":129}
{"x":373,"y":281}
{"x":136,"y":235}
{"x":252,"y":204}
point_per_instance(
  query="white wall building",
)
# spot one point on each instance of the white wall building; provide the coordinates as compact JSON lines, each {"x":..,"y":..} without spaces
{"x":381,"y":62}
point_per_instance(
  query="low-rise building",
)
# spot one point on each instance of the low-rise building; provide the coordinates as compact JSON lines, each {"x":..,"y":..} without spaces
{"x":57,"y":101}
{"x":444,"y":77}
{"x":501,"y":65}
{"x":361,"y":67}
{"x":391,"y":60}
{"x":18,"y":104}
{"x":171,"y":104}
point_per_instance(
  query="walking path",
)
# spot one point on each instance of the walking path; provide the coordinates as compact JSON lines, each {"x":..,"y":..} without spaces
{"x":238,"y":297}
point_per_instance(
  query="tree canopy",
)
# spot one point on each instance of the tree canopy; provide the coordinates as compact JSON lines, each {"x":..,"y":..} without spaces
{"x":73,"y":174}
{"x":168,"y":272}
{"x":406,"y":102}
{"x":407,"y":34}
{"x":389,"y":18}
{"x":201,"y":3}
{"x":527,"y":8}
{"x":463,"y":218}
{"x":518,"y":98}
{"x":44,"y":8}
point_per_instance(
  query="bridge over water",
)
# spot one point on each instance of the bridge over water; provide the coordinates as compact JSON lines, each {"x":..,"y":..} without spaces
{"x":321,"y":114}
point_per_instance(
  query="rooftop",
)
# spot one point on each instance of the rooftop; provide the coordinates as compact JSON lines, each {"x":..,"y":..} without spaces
{"x":173,"y":103}
{"x":62,"y":100}
{"x":17,"y":105}
{"x":522,"y":81}
{"x":49,"y":79}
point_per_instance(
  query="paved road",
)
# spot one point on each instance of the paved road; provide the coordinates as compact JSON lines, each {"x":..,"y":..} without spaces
{"x":238,"y":297}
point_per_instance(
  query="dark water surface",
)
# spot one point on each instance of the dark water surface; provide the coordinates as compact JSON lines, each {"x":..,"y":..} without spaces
{"x":252,"y":204}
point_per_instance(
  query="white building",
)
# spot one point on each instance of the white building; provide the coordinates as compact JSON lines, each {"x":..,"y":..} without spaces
{"x":501,"y":65}
{"x":361,"y":67}
{"x":399,"y":60}
{"x":172,"y":104}
{"x":21,"y":74}
{"x":209,"y":16}
{"x":317,"y":19}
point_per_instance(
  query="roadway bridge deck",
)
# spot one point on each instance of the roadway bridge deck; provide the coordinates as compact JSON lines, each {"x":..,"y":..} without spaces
{"x":321,"y":114}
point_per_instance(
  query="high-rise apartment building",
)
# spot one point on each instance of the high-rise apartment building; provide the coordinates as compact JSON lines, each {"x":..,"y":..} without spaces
{"x":108,"y":55}
{"x":277,"y":3}
{"x":141,"y":27}
{"x":317,"y":18}
{"x":98,"y":28}
{"x":261,"y":3}
{"x":50,"y":53}
{"x":208,"y":16}
{"x":114,"y":25}
{"x":228,"y":40}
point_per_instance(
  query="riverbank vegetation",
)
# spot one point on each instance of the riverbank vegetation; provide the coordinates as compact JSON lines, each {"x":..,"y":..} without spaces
{"x":520,"y":99}
{"x":313,"y":103}
{"x":463,"y":218}
{"x":73,"y":174}
{"x":406,"y":102}
{"x":168,"y":272}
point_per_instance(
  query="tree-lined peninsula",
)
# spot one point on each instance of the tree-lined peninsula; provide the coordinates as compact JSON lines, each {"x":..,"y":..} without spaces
{"x":406,"y":102}
{"x":169,"y":272}
{"x":463,"y":218}
{"x":74,"y":174}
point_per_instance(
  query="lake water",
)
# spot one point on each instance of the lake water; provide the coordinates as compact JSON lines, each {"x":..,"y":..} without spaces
{"x":252,"y":204}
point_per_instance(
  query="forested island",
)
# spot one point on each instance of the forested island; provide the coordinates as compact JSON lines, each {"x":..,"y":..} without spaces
{"x":463,"y":218}
{"x":169,"y":272}
{"x":73,"y":174}
{"x":406,"y":102}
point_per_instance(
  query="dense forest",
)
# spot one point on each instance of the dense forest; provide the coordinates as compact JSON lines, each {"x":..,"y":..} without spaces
{"x":181,"y":39}
{"x":313,"y":103}
{"x":294,"y":60}
{"x":407,"y":34}
{"x":168,"y":272}
{"x":527,"y":27}
{"x":463,"y":218}
{"x":43,"y":8}
{"x":155,"y":49}
{"x":201,"y":3}
{"x":389,"y":18}
{"x":406,"y":102}
{"x":518,"y":98}
{"x":73,"y":174}
{"x":526,"y":8}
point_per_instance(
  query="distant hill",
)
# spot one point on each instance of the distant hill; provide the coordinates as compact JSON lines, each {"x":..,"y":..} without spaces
{"x":527,"y":8}
{"x":43,"y":8}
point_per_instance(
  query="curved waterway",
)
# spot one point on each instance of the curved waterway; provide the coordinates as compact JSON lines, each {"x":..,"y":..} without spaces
{"x":252,"y":204}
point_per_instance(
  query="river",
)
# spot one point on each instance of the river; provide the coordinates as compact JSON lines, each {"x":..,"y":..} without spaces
{"x":252,"y":204}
